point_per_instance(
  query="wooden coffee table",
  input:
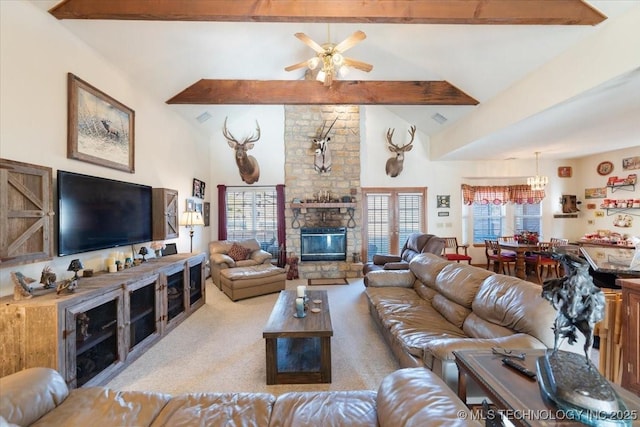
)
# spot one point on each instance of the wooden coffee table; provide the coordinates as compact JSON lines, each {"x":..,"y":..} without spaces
{"x":298,"y":351}
{"x":517,"y":396}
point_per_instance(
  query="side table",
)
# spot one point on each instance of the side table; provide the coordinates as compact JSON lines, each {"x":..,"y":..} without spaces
{"x":518,"y":397}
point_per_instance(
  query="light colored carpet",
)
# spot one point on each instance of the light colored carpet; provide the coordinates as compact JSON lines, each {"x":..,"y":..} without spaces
{"x":220,"y":348}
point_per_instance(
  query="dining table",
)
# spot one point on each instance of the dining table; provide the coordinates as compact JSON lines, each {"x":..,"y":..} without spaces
{"x":520,"y":249}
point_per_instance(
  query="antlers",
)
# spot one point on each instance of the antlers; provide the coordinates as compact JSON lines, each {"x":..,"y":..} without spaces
{"x":231,"y":138}
{"x":329,"y":130}
{"x":395,"y":148}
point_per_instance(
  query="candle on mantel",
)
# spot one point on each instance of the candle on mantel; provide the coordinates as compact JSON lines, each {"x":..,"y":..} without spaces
{"x":301,"y":291}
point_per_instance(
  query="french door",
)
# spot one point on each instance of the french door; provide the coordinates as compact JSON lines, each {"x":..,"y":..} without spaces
{"x":390,"y":216}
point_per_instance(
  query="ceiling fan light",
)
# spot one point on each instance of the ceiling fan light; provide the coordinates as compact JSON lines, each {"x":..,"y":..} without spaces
{"x":313,"y":63}
{"x":343,"y":71}
{"x":337,"y":59}
{"x":321,"y":75}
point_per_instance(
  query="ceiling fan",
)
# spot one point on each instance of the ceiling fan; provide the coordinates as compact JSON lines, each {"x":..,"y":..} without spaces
{"x":330,"y":61}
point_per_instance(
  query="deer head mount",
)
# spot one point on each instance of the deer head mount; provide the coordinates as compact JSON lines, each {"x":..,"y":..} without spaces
{"x":247,"y":165}
{"x":322,"y":161}
{"x":394,"y":164}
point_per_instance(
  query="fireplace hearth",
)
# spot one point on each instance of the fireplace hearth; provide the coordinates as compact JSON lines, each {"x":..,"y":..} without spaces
{"x":323,"y":244}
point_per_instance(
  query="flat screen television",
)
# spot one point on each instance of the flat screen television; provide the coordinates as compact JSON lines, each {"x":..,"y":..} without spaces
{"x":97,"y":213}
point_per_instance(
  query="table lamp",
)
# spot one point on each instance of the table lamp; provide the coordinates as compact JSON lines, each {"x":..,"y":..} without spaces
{"x":74,"y":266}
{"x":190,"y":219}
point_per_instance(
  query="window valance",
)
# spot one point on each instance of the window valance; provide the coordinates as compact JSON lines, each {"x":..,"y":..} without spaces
{"x":500,"y":194}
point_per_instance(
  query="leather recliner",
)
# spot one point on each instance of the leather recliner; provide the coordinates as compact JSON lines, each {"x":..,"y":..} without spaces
{"x":417,"y":243}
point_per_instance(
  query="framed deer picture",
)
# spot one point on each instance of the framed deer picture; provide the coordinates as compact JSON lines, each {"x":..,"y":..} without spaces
{"x":100,"y":130}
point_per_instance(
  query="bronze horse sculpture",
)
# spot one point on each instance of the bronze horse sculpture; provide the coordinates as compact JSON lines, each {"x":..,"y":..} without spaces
{"x":580,"y":304}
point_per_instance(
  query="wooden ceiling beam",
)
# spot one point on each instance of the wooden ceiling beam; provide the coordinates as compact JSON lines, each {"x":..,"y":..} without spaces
{"x":507,"y":12}
{"x":309,"y":92}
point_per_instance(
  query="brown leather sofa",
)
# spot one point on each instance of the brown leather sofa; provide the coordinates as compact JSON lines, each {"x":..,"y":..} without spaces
{"x":40,"y":397}
{"x":416,"y":244}
{"x":439,"y":306}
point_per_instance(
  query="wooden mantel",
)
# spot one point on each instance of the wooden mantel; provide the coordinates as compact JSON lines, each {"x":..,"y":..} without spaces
{"x":311,"y":92}
{"x":483,"y":12}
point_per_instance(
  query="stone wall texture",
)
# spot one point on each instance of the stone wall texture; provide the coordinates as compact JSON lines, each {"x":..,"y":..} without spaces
{"x":303,"y":123}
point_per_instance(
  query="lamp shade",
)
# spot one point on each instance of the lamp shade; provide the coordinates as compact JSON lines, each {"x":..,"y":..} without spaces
{"x":75,"y":265}
{"x":191,"y":218}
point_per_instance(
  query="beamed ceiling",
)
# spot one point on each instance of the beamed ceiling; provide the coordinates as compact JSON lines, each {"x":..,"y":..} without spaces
{"x":483,"y":64}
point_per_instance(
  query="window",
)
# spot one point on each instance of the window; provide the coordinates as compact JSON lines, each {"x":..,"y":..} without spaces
{"x":491,"y":221}
{"x":391,"y":216}
{"x":253,"y":213}
{"x":527,"y":217}
{"x":488,"y":221}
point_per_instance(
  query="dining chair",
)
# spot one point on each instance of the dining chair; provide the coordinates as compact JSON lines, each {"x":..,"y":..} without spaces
{"x":511,"y":239}
{"x":495,"y":255}
{"x":452,"y":250}
{"x":556,"y":241}
{"x":538,"y":262}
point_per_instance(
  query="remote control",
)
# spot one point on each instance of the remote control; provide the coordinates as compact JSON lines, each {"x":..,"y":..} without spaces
{"x":519,"y":368}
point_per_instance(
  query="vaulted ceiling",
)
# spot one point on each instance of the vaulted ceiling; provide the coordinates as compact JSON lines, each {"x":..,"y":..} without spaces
{"x":512,"y":77}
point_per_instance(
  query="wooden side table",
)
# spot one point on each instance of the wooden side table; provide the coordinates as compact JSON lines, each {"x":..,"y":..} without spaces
{"x":519,"y":397}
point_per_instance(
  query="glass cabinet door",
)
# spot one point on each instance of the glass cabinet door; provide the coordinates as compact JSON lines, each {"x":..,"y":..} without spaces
{"x":196,"y":293}
{"x":175,"y":294}
{"x":94,"y":346}
{"x":142,"y":310}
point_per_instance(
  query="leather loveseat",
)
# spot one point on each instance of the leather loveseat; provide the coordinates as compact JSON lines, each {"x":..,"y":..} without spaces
{"x":416,"y":244}
{"x":407,"y":397}
{"x":439,"y":306}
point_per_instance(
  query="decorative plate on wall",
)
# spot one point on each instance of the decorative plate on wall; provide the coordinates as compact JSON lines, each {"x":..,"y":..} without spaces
{"x":564,"y":171}
{"x":605,"y":168}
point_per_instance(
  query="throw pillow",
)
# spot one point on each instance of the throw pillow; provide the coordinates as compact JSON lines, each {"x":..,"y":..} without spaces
{"x":238,"y":253}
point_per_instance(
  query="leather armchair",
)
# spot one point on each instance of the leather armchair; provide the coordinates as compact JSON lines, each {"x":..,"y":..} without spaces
{"x":416,"y":244}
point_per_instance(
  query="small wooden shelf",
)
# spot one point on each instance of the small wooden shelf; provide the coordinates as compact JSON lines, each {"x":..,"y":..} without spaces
{"x":626,"y":187}
{"x":323,"y":205}
{"x":348,"y":207}
{"x":613,"y":211}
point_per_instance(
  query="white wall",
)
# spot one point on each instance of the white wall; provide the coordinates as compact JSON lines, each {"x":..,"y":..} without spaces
{"x":36,"y":54}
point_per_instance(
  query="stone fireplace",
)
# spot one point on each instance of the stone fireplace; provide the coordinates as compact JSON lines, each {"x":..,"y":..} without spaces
{"x":323,"y":194}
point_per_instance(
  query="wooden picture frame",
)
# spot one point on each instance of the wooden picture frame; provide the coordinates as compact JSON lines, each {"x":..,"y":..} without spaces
{"x":206,"y":213}
{"x":604,"y":168}
{"x":198,"y":188}
{"x":595,"y":193}
{"x":443,"y":201}
{"x":565,"y":171}
{"x":630,"y":163}
{"x":100,"y":129}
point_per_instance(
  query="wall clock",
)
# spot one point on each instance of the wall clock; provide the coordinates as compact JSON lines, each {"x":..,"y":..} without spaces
{"x":605,"y":168}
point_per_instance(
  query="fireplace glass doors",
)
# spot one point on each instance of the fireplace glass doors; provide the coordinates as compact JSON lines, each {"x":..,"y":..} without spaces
{"x":323,"y":244}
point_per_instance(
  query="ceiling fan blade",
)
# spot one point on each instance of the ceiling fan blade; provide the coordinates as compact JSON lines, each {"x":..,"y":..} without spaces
{"x":296,"y":66}
{"x":350,"y":41}
{"x":358,"y":64}
{"x":309,"y":42}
